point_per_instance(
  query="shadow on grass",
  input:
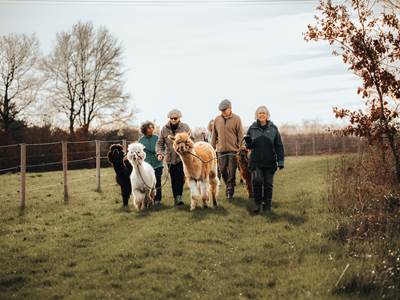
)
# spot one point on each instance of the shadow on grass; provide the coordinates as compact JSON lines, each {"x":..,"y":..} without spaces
{"x":272,"y":216}
{"x":201,"y":213}
{"x":292,"y":219}
{"x":141,"y":214}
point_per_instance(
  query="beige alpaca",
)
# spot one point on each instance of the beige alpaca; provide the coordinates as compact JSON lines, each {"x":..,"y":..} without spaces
{"x":200,"y":167}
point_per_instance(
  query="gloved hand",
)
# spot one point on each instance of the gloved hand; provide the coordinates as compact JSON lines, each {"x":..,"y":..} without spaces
{"x":248,"y":139}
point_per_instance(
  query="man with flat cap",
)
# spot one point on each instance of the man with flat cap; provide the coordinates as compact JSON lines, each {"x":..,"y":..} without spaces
{"x":226,"y":138}
{"x":164,"y":149}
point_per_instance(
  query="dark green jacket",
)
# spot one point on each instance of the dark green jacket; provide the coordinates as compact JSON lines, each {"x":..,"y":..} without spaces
{"x":266,"y":146}
{"x":150,"y":148}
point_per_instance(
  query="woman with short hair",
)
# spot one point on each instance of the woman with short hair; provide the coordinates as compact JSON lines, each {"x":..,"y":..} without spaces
{"x":149,"y":141}
{"x":166,"y":150}
{"x":267,"y":155}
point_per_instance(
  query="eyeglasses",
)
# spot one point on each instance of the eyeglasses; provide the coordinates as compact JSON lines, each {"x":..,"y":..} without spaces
{"x":174,"y":119}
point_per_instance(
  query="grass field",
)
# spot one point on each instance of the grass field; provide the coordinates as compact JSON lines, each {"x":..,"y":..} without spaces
{"x":90,"y":248}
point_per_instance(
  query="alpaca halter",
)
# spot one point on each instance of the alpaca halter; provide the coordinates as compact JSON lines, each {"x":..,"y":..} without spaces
{"x":144,"y":182}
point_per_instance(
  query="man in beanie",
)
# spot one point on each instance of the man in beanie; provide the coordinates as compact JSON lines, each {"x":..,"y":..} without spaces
{"x":267,"y":154}
{"x":165,"y":150}
{"x":226,"y":138}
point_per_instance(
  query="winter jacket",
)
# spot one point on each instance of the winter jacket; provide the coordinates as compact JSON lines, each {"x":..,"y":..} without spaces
{"x":266,"y":146}
{"x":150,"y":149}
{"x":227,"y":133}
{"x":164,"y":144}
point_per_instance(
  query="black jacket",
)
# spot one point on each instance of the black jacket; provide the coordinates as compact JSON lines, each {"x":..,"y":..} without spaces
{"x":266,"y":146}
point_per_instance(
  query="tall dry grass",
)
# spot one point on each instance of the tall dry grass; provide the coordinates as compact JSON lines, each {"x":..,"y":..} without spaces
{"x":364,"y":198}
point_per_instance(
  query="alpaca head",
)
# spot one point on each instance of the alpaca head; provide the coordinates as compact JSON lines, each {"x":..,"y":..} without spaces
{"x":136,"y":153}
{"x":116,"y":153}
{"x":182,"y":142}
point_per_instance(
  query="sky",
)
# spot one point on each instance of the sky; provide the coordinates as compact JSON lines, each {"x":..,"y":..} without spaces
{"x":192,"y":56}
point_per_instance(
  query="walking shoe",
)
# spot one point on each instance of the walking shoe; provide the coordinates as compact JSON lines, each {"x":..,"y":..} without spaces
{"x":178,"y":201}
{"x":259,"y":209}
{"x":229,"y":193}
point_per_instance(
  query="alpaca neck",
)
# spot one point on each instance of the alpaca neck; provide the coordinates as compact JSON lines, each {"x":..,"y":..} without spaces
{"x":188,"y":158}
{"x":137,"y":166}
{"x":118,"y":165}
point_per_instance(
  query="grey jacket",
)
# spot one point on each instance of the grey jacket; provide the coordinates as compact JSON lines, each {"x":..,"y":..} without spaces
{"x":164,"y":144}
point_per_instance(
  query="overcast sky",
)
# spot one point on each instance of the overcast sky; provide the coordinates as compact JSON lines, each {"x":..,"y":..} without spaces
{"x":191,"y":57}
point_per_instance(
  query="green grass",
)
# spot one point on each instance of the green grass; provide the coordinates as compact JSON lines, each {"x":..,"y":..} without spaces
{"x":90,"y":248}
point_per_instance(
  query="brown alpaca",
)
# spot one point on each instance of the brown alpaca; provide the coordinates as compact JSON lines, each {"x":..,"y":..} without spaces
{"x":243,"y":164}
{"x":200,"y":167}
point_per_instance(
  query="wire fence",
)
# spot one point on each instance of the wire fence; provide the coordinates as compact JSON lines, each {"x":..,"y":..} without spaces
{"x":64,"y":156}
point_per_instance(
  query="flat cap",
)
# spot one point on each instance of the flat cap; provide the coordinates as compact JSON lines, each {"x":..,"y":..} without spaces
{"x":224,"y":104}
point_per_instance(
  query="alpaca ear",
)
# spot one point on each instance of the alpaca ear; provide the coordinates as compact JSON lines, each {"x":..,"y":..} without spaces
{"x":110,"y":156}
{"x":190,"y":132}
{"x":171,"y":137}
{"x":129,"y":156}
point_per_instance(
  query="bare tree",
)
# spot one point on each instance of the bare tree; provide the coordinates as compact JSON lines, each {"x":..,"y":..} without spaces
{"x":85,"y":76}
{"x":19,"y":82}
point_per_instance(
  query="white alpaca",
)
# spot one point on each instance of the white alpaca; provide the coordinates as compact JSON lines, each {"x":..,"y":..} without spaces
{"x":143,"y":178}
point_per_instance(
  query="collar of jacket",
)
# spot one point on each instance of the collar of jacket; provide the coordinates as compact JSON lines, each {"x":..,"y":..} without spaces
{"x":228,"y":117}
{"x":256,"y":125}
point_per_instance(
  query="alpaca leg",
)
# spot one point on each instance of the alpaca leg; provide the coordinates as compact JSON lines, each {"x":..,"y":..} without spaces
{"x":194,"y":194}
{"x":138,"y":199}
{"x":142,"y":201}
{"x":214,"y":188}
{"x":136,"y":202}
{"x":125,"y":192}
{"x":204,"y":187}
{"x":150,"y":199}
{"x":250,"y":189}
{"x":153,"y":194}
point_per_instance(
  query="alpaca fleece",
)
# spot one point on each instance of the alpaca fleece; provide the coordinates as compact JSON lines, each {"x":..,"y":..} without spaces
{"x":200,"y":171}
{"x":122,"y":169}
{"x":143,"y":178}
{"x":243,"y":164}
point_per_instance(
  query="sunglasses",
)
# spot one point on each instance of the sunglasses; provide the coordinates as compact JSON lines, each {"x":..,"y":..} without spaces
{"x":174,"y":119}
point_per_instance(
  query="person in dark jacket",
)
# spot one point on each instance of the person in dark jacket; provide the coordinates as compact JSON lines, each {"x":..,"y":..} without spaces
{"x":149,"y":141}
{"x":267,"y":155}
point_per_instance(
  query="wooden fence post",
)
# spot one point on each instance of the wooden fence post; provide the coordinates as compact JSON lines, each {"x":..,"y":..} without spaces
{"x":124,"y":145}
{"x":64,"y":147}
{"x":297,"y":147}
{"x":98,"y":188}
{"x":23,"y":172}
